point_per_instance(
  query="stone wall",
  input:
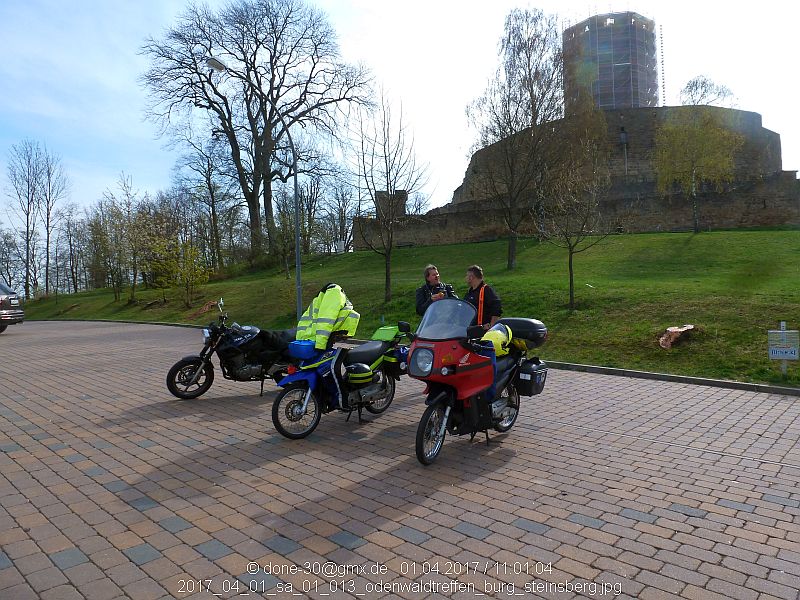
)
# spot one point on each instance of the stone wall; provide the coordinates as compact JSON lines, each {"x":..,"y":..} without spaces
{"x":762,"y":195}
{"x":760,"y":156}
{"x":632,"y":207}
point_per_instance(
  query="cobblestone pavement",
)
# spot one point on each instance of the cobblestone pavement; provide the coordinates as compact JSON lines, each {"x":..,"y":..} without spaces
{"x":110,"y":488}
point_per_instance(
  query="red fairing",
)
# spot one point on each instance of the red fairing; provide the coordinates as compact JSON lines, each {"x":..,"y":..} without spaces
{"x":468,"y":373}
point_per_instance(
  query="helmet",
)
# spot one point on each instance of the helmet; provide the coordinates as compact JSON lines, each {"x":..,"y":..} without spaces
{"x":500,"y":337}
{"x":358,"y":375}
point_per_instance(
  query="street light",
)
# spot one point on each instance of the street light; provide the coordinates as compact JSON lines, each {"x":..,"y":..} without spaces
{"x":217,"y":65}
{"x":623,"y":139}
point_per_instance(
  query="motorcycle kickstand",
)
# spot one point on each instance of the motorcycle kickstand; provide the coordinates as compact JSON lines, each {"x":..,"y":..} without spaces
{"x":262,"y":387}
{"x":350,"y":414}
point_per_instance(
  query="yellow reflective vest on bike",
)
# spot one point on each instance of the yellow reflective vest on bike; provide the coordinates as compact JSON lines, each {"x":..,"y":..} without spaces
{"x":330,"y":311}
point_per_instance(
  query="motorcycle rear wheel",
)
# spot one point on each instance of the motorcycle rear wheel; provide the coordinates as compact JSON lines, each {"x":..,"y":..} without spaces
{"x":182,"y":373}
{"x":513,"y":404}
{"x":381,"y":405}
{"x":429,"y":441}
{"x":287,"y":416}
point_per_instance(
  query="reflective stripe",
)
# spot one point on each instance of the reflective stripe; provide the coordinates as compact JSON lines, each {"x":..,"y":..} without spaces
{"x":480,"y":305}
{"x":324,"y":320}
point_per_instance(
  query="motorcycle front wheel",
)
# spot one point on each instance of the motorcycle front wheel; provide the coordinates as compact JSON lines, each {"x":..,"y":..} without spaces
{"x":288,"y":415}
{"x":511,"y":411}
{"x":181,"y":374}
{"x":430,"y":436}
{"x":380,"y":405}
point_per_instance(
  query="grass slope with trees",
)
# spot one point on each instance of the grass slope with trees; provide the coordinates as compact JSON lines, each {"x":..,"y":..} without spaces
{"x":733,"y":286}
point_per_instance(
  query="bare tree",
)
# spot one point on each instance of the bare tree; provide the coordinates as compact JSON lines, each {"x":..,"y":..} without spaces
{"x":339,"y":207}
{"x":283,"y":72}
{"x":25,"y":176}
{"x":9,"y":267}
{"x":387,"y":172}
{"x":512,"y":118}
{"x":107,"y":243}
{"x":702,"y":90}
{"x":284,"y":226}
{"x":210,"y":185}
{"x":310,"y":197}
{"x":417,"y":204}
{"x":125,"y":222}
{"x":70,"y":229}
{"x":572,"y":218}
{"x":54,"y":188}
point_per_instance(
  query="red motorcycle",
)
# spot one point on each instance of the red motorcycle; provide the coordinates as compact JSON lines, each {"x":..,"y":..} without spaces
{"x":475,"y":378}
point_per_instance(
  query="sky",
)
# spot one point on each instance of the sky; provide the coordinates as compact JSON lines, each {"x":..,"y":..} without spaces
{"x":69,"y":74}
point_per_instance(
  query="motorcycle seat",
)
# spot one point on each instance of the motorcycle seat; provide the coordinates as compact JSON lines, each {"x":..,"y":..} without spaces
{"x":278,"y":340}
{"x":366,"y":353}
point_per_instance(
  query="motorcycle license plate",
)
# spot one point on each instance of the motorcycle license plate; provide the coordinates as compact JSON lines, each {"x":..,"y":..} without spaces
{"x":14,"y":302}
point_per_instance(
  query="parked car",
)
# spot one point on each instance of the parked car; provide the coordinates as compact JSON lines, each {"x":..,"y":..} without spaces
{"x":10,"y":308}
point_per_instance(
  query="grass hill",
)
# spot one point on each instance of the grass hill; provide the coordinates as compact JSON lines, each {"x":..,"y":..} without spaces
{"x":732,"y":285}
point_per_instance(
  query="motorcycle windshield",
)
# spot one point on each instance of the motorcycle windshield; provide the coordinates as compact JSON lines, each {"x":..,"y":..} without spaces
{"x":446,"y":319}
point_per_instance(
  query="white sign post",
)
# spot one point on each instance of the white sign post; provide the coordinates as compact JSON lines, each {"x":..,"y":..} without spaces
{"x":783,"y":345}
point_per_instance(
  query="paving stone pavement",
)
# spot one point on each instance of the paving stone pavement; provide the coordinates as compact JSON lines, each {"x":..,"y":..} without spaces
{"x":606,"y":487}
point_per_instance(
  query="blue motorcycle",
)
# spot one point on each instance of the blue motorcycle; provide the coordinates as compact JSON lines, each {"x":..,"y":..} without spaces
{"x":245,"y":353}
{"x":344,"y":379}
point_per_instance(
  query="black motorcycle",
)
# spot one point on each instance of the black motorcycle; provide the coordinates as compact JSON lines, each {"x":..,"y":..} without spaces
{"x":245,"y":353}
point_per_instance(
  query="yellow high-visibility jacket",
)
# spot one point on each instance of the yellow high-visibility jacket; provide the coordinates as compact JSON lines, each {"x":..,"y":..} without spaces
{"x":330,"y":311}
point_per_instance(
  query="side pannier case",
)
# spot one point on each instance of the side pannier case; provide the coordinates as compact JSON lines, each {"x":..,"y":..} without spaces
{"x":531,"y":377}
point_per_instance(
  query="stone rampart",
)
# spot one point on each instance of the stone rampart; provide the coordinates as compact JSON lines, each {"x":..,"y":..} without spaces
{"x":632,"y":206}
{"x":762,"y":195}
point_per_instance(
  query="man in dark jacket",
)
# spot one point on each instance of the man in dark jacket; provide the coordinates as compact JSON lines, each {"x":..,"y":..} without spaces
{"x":482,"y":297}
{"x":431,"y":291}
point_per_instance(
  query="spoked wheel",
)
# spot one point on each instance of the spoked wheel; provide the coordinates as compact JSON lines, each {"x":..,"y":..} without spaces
{"x":430,"y":436}
{"x":511,"y":411}
{"x":180,"y":376}
{"x":380,"y":405}
{"x":288,"y":415}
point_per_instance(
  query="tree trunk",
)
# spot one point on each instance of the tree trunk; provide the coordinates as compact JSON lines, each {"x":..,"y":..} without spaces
{"x":216,"y":244}
{"x":695,"y":211}
{"x":47,"y":258}
{"x":512,"y":251}
{"x":28,"y":238}
{"x":571,"y":279}
{"x":269,"y":216}
{"x":256,"y":239}
{"x":387,"y":296}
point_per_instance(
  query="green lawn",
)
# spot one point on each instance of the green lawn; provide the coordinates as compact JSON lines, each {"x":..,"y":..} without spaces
{"x":732,"y":285}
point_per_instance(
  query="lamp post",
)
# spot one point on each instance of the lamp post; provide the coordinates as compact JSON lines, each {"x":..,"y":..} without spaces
{"x":623,"y":139}
{"x":217,"y":65}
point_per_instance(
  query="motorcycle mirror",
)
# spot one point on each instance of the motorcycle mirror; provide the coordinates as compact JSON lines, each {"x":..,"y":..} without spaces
{"x":403,"y":327}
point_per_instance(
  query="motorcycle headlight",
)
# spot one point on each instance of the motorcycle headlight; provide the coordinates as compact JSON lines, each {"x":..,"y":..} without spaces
{"x":206,"y":335}
{"x":421,"y":362}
